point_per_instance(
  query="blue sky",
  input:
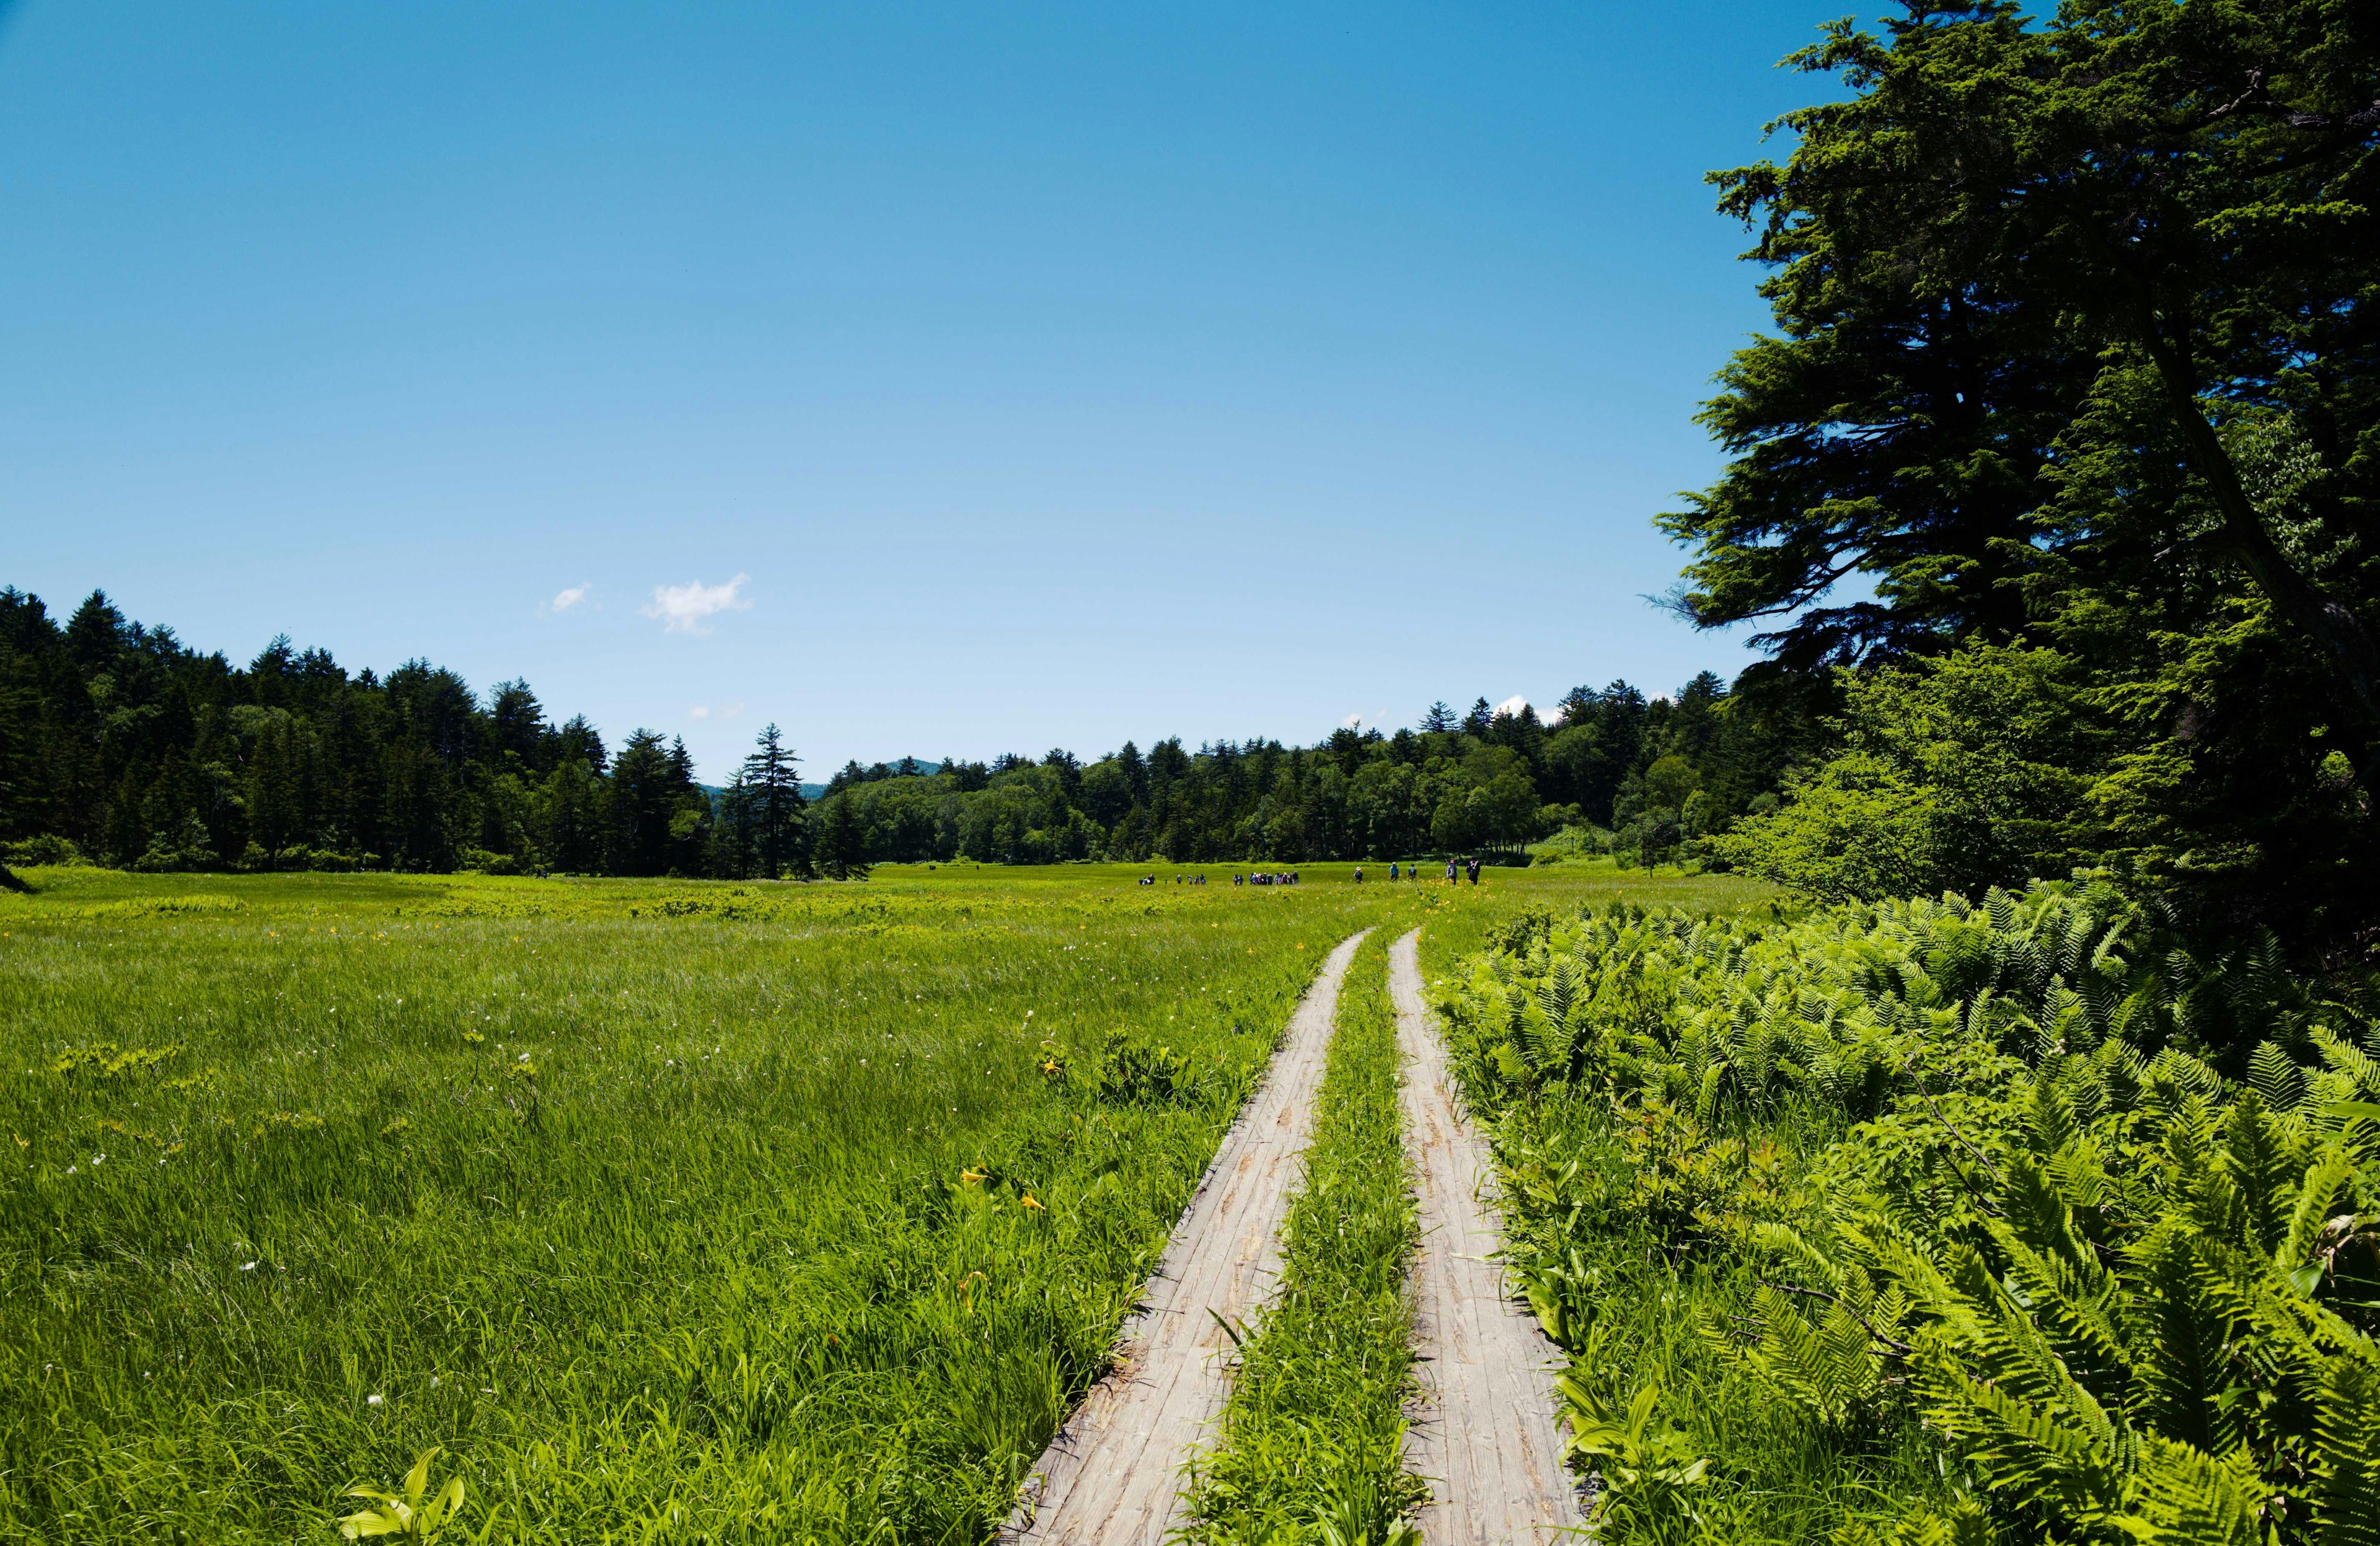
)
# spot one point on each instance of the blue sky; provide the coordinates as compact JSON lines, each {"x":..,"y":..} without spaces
{"x":932,"y":379}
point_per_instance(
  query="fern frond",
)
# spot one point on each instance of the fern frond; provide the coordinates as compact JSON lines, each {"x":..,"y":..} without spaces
{"x":2345,"y":1494}
{"x":2264,"y":1164}
{"x":1707,"y":1097}
{"x":2031,"y":1454}
{"x":2187,"y":1497}
{"x":2068,"y":1287}
{"x":2274,"y":1077}
{"x":2179,"y":1338}
{"x":2348,"y":1059}
{"x":1559,"y":991}
{"x":2333,"y":1171}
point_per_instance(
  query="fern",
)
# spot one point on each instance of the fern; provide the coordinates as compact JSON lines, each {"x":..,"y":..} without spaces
{"x":2275,"y":1077}
{"x":2346,"y":1057}
{"x":2264,"y":1167}
{"x":1560,"y":990}
{"x":2132,"y":1299}
{"x":2189,"y":1498}
{"x":2346,"y":1491}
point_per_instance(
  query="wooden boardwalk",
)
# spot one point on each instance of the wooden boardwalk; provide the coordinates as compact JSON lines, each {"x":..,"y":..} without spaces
{"x":1484,"y":1436}
{"x":1113,"y":1475}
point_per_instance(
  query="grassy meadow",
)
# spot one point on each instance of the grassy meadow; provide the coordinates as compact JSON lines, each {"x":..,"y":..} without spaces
{"x":672,"y":1210}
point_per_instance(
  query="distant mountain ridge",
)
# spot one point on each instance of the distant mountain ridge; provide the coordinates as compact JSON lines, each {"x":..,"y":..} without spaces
{"x":926,"y":769}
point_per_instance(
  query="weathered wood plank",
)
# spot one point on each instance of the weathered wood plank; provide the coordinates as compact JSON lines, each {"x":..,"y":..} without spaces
{"x":1484,"y":1435}
{"x":1112,"y":1477}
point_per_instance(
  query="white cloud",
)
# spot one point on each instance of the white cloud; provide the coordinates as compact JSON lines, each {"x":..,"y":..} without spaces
{"x":682,"y":609}
{"x":731,"y":710}
{"x":563,"y":600}
{"x":1513,"y":704}
{"x":1353,"y":721}
{"x":699,"y":711}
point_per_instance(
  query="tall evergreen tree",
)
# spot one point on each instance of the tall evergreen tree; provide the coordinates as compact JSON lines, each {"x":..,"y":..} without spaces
{"x":2076,"y":344}
{"x":779,"y":828}
{"x":643,"y":799}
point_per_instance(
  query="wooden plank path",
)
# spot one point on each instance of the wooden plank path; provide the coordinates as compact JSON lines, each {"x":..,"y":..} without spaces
{"x":1112,"y":1477}
{"x":1484,"y":1437}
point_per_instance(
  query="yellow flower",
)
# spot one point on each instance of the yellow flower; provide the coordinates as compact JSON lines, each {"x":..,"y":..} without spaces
{"x":973,"y":1177}
{"x":1033,"y":1205}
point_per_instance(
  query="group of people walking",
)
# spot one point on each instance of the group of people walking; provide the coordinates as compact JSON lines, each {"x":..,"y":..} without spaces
{"x":1456,"y":869}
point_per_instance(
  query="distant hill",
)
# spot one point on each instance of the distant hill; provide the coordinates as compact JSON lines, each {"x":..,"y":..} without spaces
{"x":818,"y":792}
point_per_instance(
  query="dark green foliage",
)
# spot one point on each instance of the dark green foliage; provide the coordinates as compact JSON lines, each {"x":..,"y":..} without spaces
{"x":142,"y":753}
{"x":1956,"y":773}
{"x":1126,"y":1070}
{"x":138,"y":752}
{"x":773,"y":804}
{"x":2075,"y":346}
{"x":842,"y":839}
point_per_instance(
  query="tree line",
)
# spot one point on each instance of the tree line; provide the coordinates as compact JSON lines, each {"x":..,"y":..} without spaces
{"x":122,"y":744}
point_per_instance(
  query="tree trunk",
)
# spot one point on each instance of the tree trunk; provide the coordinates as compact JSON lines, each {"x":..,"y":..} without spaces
{"x":2354,"y":654}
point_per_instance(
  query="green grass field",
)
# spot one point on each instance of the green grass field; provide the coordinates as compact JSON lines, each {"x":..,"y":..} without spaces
{"x":683,"y":1211}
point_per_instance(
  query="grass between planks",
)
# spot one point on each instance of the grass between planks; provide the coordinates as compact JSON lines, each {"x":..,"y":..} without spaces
{"x":1313,"y":1431}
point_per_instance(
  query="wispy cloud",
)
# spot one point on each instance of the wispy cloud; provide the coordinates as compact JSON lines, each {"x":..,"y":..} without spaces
{"x":699,"y":711}
{"x":563,"y":600}
{"x":729,"y":711}
{"x":684,"y":609}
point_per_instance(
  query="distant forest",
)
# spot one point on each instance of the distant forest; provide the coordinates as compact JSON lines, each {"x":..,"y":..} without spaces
{"x":120,"y":744}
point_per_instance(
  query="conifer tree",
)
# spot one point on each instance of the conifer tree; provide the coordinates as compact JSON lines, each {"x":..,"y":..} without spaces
{"x":842,"y":839}
{"x":780,"y":825}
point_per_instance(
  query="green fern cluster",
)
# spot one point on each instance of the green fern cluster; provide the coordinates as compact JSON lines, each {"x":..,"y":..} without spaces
{"x":2157,"y":1329}
{"x":2100,"y":1216}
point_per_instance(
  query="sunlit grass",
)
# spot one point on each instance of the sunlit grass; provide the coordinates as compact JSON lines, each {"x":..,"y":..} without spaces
{"x":643,"y":1198}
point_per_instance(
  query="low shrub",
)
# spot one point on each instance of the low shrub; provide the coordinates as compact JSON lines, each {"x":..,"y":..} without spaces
{"x":47,"y":849}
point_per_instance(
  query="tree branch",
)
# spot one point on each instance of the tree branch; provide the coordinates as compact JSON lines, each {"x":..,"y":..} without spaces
{"x":2337,"y":630}
{"x":1908,"y":1067}
{"x":1899,"y":1349}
